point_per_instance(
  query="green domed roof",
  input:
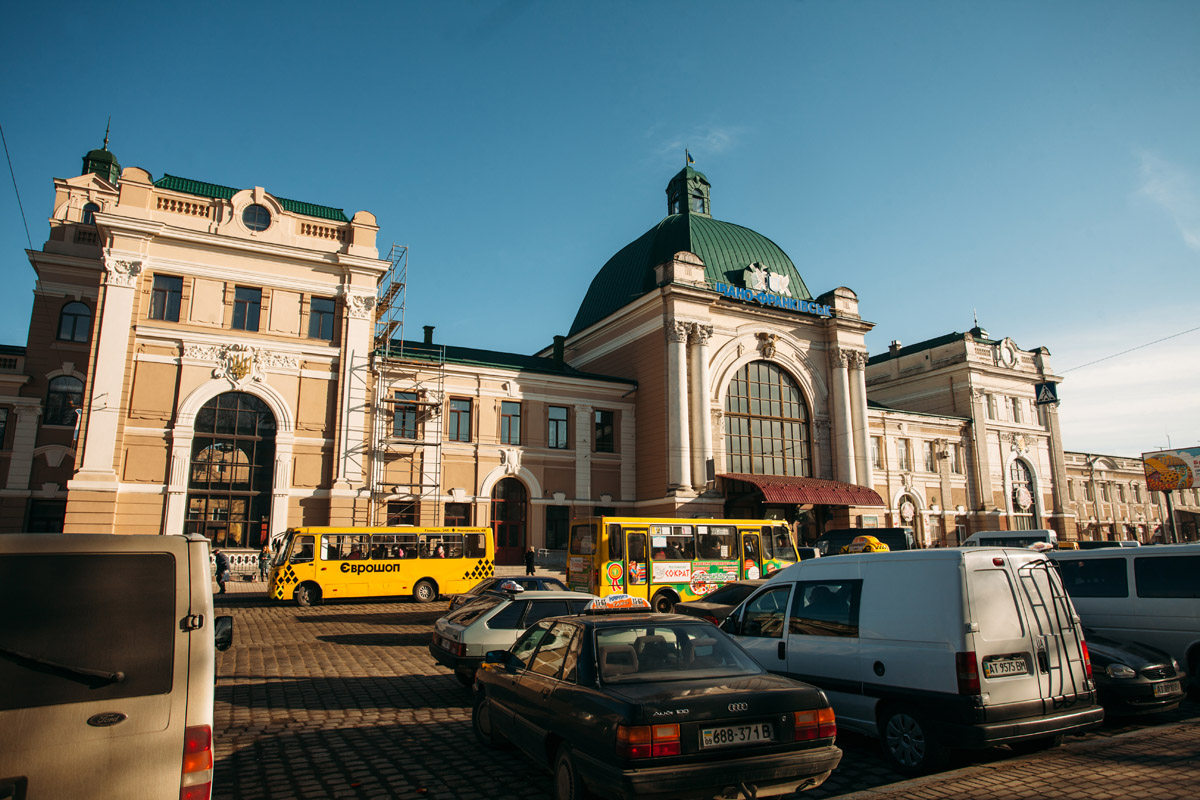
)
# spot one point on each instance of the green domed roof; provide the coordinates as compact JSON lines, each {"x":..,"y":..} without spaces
{"x":725,"y":248}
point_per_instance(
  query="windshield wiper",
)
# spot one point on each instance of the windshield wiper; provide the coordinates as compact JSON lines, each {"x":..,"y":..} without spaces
{"x":92,"y":678}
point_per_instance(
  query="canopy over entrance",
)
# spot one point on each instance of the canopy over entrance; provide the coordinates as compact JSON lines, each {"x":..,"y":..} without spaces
{"x":791,"y":490}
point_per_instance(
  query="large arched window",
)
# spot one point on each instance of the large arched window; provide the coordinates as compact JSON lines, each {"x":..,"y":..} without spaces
{"x":509,"y":512}
{"x":1024,"y":505}
{"x":74,"y":322}
{"x":63,"y":399}
{"x":766,"y":423}
{"x":229,"y":479}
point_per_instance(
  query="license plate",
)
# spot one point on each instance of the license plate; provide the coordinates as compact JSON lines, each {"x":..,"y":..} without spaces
{"x":1000,"y":667}
{"x":730,"y":735}
{"x":1168,"y":688}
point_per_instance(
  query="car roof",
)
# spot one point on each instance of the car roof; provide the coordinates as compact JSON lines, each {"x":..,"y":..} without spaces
{"x":543,"y":594}
{"x":623,"y":618}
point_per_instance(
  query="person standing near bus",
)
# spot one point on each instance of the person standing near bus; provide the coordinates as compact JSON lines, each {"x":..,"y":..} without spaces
{"x":529,"y":557}
{"x":264,"y":561}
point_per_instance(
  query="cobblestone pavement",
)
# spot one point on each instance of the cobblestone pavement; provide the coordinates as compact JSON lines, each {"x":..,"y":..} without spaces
{"x":344,"y":701}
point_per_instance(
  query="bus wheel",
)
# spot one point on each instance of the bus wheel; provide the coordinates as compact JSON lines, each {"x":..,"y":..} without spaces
{"x":424,"y":591}
{"x":308,"y":594}
{"x":663,"y":603}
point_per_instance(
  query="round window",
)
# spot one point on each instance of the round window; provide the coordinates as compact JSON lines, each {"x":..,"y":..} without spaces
{"x":256,"y":217}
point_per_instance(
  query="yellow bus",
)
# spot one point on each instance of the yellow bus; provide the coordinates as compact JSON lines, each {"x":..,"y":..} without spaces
{"x":667,"y":561}
{"x":315,"y":564}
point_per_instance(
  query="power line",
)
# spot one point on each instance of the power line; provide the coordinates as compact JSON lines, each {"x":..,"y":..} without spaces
{"x":16,"y":191}
{"x":1130,"y":350}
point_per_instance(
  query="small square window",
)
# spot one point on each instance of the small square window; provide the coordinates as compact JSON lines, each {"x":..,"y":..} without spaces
{"x":165,"y":298}
{"x":247,"y":304}
{"x":320,"y":318}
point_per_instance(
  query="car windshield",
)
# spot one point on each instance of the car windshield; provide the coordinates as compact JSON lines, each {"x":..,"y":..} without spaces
{"x":474,"y":610}
{"x":674,"y":651}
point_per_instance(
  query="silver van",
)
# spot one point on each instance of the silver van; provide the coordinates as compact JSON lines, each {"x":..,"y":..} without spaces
{"x":107,"y":666}
{"x":929,"y":649}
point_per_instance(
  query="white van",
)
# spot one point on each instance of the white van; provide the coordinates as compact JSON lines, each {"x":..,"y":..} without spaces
{"x":1144,"y":594}
{"x":1011,"y":538}
{"x":107,"y":666}
{"x":929,"y":649}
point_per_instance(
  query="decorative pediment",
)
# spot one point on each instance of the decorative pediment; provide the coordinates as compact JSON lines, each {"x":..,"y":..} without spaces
{"x":238,"y":363}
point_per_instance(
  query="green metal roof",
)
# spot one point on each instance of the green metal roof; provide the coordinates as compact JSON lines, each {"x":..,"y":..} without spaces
{"x":726,"y":249}
{"x":215,"y":191}
{"x":474,"y":357}
{"x":977,"y":334}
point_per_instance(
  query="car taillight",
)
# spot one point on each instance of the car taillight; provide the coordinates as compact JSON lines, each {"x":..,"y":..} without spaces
{"x":818,"y":723}
{"x":966,"y":669}
{"x":1087,"y":659}
{"x":712,"y":619}
{"x":196,"y":781}
{"x":646,"y":741}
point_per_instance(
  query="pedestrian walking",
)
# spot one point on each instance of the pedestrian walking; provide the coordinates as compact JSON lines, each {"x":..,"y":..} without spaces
{"x":222,"y":569}
{"x":264,"y":560}
{"x":529,"y":561}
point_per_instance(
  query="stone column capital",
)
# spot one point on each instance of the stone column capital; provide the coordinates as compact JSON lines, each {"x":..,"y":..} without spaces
{"x":121,"y":272}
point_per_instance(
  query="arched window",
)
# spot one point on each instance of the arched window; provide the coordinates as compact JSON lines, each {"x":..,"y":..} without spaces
{"x":1024,"y":505}
{"x":89,"y":213}
{"x":74,"y":322}
{"x":63,"y":399}
{"x":508,"y":520}
{"x":766,"y":423}
{"x":231,"y":471}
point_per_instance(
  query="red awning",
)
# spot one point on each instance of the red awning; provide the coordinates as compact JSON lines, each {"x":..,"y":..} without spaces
{"x":817,"y":491}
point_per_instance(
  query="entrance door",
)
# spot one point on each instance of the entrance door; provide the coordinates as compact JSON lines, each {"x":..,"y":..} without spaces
{"x":508,"y":521}
{"x":637,"y":568}
{"x":751,"y":557}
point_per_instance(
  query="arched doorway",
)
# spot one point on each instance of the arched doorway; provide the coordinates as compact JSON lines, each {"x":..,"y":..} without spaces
{"x":1024,"y":506}
{"x":508,"y":520}
{"x":231,"y":471}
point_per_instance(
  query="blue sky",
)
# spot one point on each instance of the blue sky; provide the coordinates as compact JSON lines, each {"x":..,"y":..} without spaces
{"x":1037,"y":163}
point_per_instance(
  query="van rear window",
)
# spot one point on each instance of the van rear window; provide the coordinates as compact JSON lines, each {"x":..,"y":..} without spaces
{"x":82,"y":619}
{"x":1167,"y":576}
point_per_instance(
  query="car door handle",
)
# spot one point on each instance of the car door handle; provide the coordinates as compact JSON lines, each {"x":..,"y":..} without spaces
{"x":782,"y":650}
{"x":545,"y":692}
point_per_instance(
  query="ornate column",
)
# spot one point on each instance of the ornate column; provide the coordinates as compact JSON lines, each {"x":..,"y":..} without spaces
{"x":843,"y":443}
{"x":858,"y":417}
{"x":281,"y":484}
{"x":679,"y":473}
{"x":979,"y":432}
{"x":177,"y":480}
{"x":108,"y":375}
{"x":702,"y":440}
{"x":584,"y":426}
{"x":20,"y":464}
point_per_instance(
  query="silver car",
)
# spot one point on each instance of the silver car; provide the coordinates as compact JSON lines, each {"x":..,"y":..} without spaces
{"x":493,"y":622}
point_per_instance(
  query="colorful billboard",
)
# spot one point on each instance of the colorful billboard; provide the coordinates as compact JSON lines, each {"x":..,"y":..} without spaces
{"x":1169,"y":470}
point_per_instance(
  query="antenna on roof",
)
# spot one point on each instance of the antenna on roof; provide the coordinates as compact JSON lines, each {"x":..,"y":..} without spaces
{"x":106,"y":129}
{"x":976,"y":313}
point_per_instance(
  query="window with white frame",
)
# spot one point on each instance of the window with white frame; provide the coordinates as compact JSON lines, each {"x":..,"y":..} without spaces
{"x":877,"y":452}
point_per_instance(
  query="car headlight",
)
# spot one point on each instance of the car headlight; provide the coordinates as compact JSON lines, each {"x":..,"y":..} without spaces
{"x":1119,"y":671}
{"x":1174,"y":665}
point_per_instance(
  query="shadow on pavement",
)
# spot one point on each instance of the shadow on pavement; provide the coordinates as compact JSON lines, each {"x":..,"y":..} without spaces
{"x":342,"y":694}
{"x":378,"y":639}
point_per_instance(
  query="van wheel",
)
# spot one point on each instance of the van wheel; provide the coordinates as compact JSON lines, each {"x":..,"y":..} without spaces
{"x":662,"y":603}
{"x":908,"y":743}
{"x":308,"y":594}
{"x":1031,"y":746}
{"x":481,"y":723}
{"x":424,"y":591}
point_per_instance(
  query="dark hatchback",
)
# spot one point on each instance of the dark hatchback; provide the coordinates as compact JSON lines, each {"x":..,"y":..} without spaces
{"x":647,"y":705}
{"x":530,"y":583}
{"x":715,"y":606}
{"x":1134,"y":678}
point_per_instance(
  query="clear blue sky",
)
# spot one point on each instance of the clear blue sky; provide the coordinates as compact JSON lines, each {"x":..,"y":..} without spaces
{"x":1035,"y":162}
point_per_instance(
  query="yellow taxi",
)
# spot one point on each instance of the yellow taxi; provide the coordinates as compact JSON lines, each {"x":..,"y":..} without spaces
{"x":1062,"y":545}
{"x":866,"y":544}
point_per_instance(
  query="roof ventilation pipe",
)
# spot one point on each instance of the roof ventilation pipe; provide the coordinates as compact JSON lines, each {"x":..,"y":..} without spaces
{"x":894,"y":346}
{"x":429,"y":334}
{"x":559,"y":349}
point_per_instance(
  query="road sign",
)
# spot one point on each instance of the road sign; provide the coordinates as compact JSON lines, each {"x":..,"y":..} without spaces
{"x":1047,"y":393}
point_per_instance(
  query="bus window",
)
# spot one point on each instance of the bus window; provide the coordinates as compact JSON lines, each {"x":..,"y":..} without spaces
{"x":716,"y":541}
{"x":342,"y":547}
{"x":431,"y":546}
{"x":454,"y":545}
{"x":673,"y":542}
{"x":474,"y":545}
{"x":750,"y":546}
{"x":616,"y":543}
{"x":768,"y":544}
{"x":303,"y":548}
{"x":583,"y":540}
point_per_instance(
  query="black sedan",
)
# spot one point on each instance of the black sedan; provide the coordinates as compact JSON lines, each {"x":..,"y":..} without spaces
{"x":637,"y":704}
{"x":530,"y":583}
{"x":1134,"y":678}
{"x":715,"y":606}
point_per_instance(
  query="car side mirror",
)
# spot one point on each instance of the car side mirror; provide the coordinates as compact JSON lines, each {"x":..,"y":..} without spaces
{"x":223,"y":632}
{"x":496,"y":657}
{"x":732,"y":625}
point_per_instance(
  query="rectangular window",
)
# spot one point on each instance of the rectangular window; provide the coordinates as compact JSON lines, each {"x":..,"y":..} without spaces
{"x":401,"y":512}
{"x":1014,"y":404}
{"x":320,"y":318}
{"x":1089,"y":491}
{"x":876,"y":453}
{"x":510,"y":422}
{"x":1104,"y":493}
{"x":3,"y":427}
{"x":556,"y":428}
{"x":460,"y":421}
{"x":929,"y":457}
{"x":558,"y":523}
{"x":825,"y":609}
{"x":956,"y":463}
{"x":606,"y":439}
{"x":404,"y":416}
{"x":902,"y":453}
{"x":247,"y":303}
{"x":1137,"y":493}
{"x":457,"y":515}
{"x":991,"y":406}
{"x":1094,"y":577}
{"x":1120,"y":493}
{"x":165,"y":297}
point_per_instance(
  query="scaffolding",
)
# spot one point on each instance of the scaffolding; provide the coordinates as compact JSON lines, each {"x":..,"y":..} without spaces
{"x":410,"y":380}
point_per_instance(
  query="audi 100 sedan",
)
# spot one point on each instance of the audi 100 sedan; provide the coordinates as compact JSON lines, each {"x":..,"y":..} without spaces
{"x":628,"y":703}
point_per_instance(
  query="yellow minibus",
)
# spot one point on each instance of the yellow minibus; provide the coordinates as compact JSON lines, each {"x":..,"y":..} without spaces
{"x":315,"y":564}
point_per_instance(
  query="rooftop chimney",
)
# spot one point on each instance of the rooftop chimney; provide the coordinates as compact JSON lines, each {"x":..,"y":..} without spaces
{"x":894,"y":346}
{"x":559,"y":348}
{"x":429,"y":334}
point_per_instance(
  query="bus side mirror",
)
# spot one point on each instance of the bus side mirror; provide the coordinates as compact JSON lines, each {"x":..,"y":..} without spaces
{"x":223,"y":633}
